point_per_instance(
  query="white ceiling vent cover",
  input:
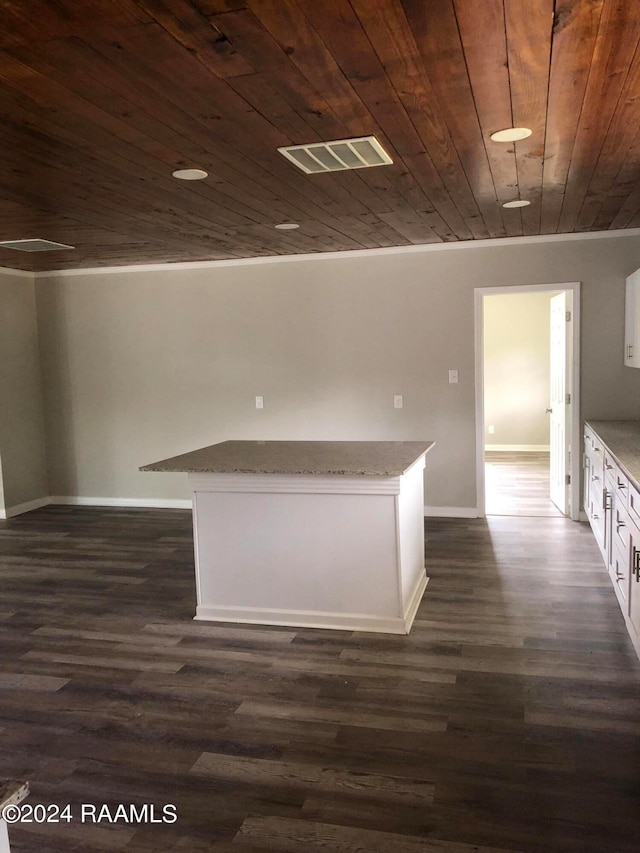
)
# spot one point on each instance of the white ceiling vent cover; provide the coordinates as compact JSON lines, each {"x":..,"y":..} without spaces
{"x":336,"y":156}
{"x":33,"y":245}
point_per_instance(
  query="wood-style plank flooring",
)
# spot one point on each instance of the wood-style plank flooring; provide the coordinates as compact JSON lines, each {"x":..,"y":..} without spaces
{"x":508,"y":720}
{"x":517,"y":483}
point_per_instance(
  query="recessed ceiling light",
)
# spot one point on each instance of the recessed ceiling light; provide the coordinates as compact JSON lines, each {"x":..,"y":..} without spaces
{"x":286,"y":226}
{"x":518,"y":202}
{"x":511,"y":134}
{"x":190,"y":174}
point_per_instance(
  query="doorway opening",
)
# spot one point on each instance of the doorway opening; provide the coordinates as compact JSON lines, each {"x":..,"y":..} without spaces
{"x":527,"y":405}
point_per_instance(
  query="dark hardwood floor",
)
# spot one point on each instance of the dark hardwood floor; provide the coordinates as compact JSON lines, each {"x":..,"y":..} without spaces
{"x":508,"y":720}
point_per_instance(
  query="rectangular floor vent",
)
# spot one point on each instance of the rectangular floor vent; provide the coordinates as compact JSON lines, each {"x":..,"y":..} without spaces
{"x":360,"y":153}
{"x":33,"y":245}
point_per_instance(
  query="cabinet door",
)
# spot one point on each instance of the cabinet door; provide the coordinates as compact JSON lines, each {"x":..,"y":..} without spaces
{"x":596,"y":493}
{"x":619,"y":570}
{"x":632,"y":320}
{"x":633,"y":503}
{"x":586,"y":485}
{"x":634,"y":584}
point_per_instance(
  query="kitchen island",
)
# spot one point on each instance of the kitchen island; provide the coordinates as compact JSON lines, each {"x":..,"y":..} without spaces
{"x":12,"y":793}
{"x":324,"y":534}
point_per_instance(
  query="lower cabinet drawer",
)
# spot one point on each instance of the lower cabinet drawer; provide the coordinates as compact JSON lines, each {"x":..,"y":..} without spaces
{"x":634,"y":586}
{"x":633,"y":503}
{"x":609,"y":463}
{"x":622,"y":487}
{"x":596,"y":514}
{"x":619,"y":571}
{"x":620,"y":528}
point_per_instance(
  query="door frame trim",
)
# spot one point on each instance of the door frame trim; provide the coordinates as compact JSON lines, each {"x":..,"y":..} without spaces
{"x":572,"y":287}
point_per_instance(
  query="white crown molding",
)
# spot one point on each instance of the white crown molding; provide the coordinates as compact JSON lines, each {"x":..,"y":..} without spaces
{"x":348,"y":254}
{"x":296,"y":484}
{"x":18,"y":273}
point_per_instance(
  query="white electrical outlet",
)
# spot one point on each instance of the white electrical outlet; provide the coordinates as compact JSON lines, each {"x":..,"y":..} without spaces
{"x":491,"y":429}
{"x":453,"y":377}
{"x":259,"y":402}
{"x":398,"y":402}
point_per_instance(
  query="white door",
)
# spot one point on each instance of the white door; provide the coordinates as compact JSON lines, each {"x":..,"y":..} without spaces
{"x":559,"y":405}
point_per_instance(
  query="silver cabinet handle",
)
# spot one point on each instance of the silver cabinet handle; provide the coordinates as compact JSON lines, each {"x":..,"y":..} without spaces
{"x":548,"y":411}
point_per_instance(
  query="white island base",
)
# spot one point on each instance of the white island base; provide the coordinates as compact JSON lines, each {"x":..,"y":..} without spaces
{"x":334,"y":551}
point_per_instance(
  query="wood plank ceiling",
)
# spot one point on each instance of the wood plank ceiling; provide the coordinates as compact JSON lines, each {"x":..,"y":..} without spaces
{"x":100,"y":100}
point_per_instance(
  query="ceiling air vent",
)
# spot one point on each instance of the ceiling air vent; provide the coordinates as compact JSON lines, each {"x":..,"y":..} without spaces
{"x":33,"y":245}
{"x":336,"y":156}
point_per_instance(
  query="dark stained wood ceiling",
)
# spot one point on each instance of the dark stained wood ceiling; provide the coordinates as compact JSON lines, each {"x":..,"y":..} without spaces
{"x":100,"y":100}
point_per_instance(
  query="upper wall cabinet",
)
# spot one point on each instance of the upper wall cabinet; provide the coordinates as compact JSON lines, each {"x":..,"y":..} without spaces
{"x":632,"y":321}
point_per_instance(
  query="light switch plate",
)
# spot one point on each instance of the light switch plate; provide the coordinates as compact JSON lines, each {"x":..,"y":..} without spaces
{"x":453,"y":377}
{"x":398,"y":402}
{"x":259,"y":402}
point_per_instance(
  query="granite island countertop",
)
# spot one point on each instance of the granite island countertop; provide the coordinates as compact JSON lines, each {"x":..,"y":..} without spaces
{"x":623,"y":440}
{"x":349,"y":458}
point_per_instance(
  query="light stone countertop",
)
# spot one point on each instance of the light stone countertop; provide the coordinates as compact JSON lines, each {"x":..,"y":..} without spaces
{"x":623,"y":440}
{"x":350,"y":458}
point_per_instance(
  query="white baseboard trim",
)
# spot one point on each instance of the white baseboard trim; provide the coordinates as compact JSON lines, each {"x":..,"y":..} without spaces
{"x":18,"y":509}
{"x":149,"y":503}
{"x":414,"y":601}
{"x":317,"y":618}
{"x":301,"y":619}
{"x":77,"y":500}
{"x":451,"y":511}
{"x":163,"y":503}
{"x":518,"y":448}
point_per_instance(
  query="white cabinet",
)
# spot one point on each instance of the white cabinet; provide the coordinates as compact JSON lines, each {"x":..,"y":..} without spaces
{"x":633,"y":618}
{"x":633,"y":506}
{"x":612,"y":505}
{"x":632,"y":320}
{"x":594,"y":492}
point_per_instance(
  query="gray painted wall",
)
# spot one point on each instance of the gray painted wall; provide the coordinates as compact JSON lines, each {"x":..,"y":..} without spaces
{"x":22,"y":442}
{"x":143,"y":365}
